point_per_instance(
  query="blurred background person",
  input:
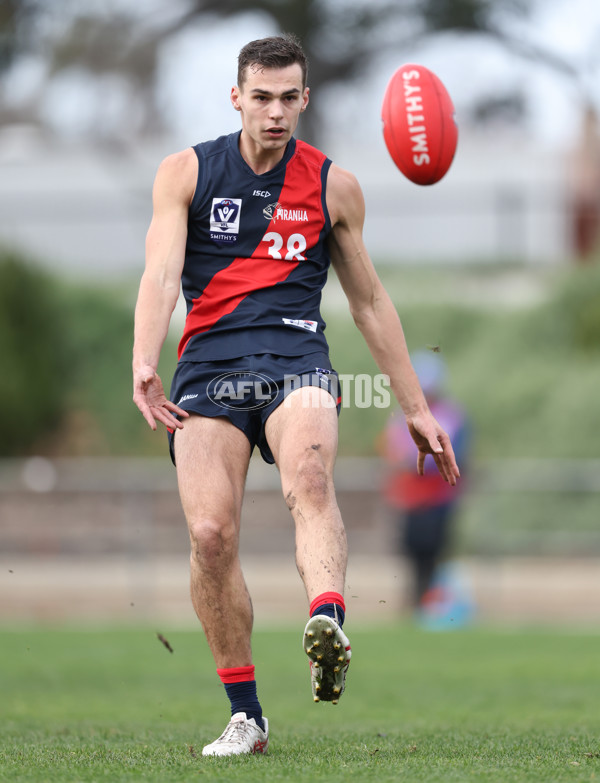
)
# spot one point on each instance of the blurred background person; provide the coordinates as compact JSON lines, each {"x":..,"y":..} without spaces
{"x":585,"y":188}
{"x":424,"y":507}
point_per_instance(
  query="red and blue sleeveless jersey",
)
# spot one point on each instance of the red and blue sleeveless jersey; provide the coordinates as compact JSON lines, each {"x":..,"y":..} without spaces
{"x":256,"y":258}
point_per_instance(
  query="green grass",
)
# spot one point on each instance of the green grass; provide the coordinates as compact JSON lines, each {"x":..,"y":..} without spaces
{"x":469,"y":705}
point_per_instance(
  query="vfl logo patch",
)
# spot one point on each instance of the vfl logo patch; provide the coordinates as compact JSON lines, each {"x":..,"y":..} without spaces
{"x":225,"y":220}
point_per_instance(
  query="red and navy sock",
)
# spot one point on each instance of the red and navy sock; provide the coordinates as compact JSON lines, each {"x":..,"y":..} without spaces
{"x":331,"y":605}
{"x":240,"y":685}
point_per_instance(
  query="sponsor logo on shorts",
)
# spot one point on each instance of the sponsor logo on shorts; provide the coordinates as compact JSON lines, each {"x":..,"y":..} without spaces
{"x":242,"y":390}
{"x":225,"y":220}
{"x":187,"y":397}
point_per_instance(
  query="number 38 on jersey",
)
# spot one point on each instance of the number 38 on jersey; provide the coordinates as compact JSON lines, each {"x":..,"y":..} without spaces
{"x":290,"y":249}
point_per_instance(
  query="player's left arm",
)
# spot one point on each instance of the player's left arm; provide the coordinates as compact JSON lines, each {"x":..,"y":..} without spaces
{"x":377,"y":319}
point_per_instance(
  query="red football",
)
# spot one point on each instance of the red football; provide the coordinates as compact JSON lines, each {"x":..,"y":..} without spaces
{"x":418,"y":124}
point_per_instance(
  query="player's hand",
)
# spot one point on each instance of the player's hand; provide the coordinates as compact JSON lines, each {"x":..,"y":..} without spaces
{"x":150,"y":398}
{"x":430,"y":438}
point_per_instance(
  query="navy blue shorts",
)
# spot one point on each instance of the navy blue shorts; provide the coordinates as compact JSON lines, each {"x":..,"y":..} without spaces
{"x":248,"y":389}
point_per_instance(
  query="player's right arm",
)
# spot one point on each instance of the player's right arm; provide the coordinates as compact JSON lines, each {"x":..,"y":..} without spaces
{"x":160,"y":284}
{"x":378,"y":320}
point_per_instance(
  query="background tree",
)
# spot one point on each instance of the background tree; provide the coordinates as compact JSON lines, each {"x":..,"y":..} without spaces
{"x":35,"y":361}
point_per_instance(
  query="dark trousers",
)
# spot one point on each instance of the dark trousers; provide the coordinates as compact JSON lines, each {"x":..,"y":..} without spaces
{"x":424,"y":536}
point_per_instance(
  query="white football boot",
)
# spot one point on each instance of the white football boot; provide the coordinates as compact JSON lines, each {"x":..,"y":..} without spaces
{"x":241,"y":735}
{"x":328,"y":648}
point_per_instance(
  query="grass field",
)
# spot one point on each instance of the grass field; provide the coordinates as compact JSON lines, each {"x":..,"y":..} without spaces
{"x":478,"y":704}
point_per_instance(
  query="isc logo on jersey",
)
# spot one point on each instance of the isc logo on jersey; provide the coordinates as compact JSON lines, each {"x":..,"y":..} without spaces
{"x":225,"y":220}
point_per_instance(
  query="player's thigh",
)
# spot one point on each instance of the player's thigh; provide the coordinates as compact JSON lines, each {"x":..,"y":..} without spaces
{"x":304,"y":429}
{"x":212,"y":457}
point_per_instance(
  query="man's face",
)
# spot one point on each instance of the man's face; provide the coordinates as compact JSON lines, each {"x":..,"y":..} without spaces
{"x":270,"y":101}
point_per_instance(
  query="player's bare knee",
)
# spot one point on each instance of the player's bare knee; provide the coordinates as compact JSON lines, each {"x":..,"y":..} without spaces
{"x":212,"y":539}
{"x":312,"y":483}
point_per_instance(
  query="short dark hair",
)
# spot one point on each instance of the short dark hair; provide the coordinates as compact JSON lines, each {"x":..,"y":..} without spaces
{"x":274,"y":52}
